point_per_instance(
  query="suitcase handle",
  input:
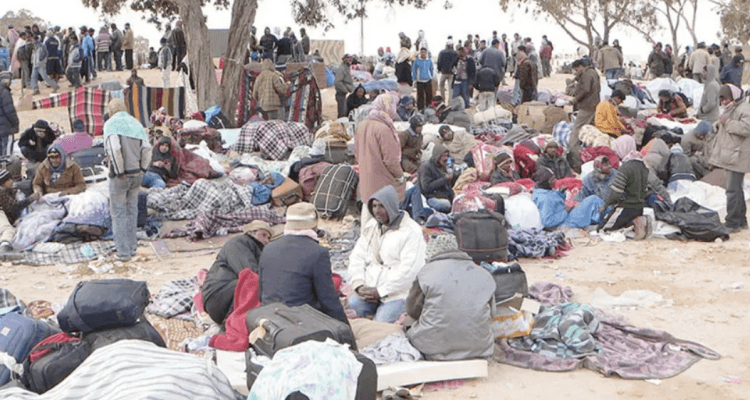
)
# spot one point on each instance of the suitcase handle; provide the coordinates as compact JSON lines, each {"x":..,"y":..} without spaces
{"x":294,"y":197}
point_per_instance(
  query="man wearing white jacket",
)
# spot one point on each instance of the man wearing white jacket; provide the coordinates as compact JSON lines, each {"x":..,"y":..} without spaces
{"x":386,"y":259}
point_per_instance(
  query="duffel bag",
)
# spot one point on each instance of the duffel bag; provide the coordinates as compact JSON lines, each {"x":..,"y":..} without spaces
{"x":482,"y":234}
{"x":333,"y":190}
{"x":18,"y":336}
{"x":308,"y":177}
{"x":276,"y":326}
{"x":109,"y":303}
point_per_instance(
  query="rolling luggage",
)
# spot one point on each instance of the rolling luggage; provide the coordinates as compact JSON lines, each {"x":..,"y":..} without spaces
{"x":334,"y":189}
{"x":286,"y":194}
{"x":286,"y":326}
{"x":108,"y":303}
{"x":18,"y":335}
{"x":482,"y":234}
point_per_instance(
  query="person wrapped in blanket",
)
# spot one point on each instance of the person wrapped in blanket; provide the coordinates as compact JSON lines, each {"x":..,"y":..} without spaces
{"x":552,"y":208}
{"x":504,"y":171}
{"x":628,"y":191}
{"x":597,"y":182}
{"x":11,"y":209}
{"x":525,"y":155}
{"x":163,"y":165}
{"x":553,"y":160}
{"x":238,"y":253}
{"x":57,"y":174}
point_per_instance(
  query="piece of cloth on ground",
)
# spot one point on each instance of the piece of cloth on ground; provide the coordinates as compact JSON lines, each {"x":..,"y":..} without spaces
{"x":533,"y":243}
{"x":550,"y":294}
{"x":206,"y":225}
{"x":318,"y":370}
{"x":367,"y":332}
{"x":274,"y":138}
{"x":394,"y":348}
{"x":127,"y":370}
{"x":141,"y":101}
{"x":191,"y":166}
{"x":72,"y":253}
{"x":87,"y":104}
{"x":40,"y":221}
{"x":174,"y":298}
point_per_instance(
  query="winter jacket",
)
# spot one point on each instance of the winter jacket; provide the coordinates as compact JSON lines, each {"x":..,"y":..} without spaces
{"x":432,"y":181}
{"x":388,"y":257}
{"x":4,"y":58}
{"x":8,"y":116}
{"x":709,"y":107}
{"x":594,"y":184}
{"x":458,"y":116}
{"x":103,"y":42}
{"x":679,"y":167}
{"x":128,"y":43}
{"x":500,"y":176}
{"x":528,"y":75}
{"x":607,"y":119}
{"x":630,"y":185}
{"x":378,"y":153}
{"x":558,"y":165}
{"x":546,"y":52}
{"x":171,"y":172}
{"x":116,"y":40}
{"x":609,"y":58}
{"x":127,"y":155}
{"x":343,"y":80}
{"x":656,"y":63}
{"x":730,"y":148}
{"x":422,"y":70}
{"x":238,"y":253}
{"x":493,"y":58}
{"x":451,"y":299}
{"x":75,"y":57}
{"x":33,"y":148}
{"x":88,"y":46}
{"x":296,"y":270}
{"x":447,"y":61}
{"x":404,"y":73}
{"x":70,"y":181}
{"x":353,"y":101}
{"x":178,"y":38}
{"x":675,"y":107}
{"x":411,"y":150}
{"x":284,"y":47}
{"x":698,"y":60}
{"x":268,"y":43}
{"x":487,"y":80}
{"x":551,"y":205}
{"x":40,"y":54}
{"x":269,"y":87}
{"x":587,"y":90}
{"x":165,"y":58}
{"x":469,"y":68}
{"x":732,"y":73}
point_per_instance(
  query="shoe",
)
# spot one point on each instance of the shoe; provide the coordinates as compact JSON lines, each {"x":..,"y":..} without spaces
{"x":734,"y":229}
{"x":119,"y":257}
{"x":5,"y":247}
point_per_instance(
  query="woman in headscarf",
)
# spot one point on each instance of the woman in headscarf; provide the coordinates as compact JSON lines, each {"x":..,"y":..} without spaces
{"x":628,"y":191}
{"x":58,"y":174}
{"x":378,"y":150}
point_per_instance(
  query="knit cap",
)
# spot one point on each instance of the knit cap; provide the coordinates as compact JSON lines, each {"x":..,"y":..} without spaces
{"x":440,"y":243}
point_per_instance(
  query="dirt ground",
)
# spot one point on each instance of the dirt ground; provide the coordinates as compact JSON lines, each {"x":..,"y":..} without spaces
{"x":695,"y":276}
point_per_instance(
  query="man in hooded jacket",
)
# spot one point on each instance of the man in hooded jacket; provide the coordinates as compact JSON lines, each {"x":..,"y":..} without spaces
{"x":708,"y":110}
{"x":436,"y":180}
{"x":8,"y":116}
{"x":269,"y":89}
{"x":57,"y":174}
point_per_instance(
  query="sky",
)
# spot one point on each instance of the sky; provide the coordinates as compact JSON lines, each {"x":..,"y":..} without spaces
{"x":384,"y":23}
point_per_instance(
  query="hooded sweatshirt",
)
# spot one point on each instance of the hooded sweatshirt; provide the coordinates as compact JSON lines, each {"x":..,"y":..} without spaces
{"x":388,"y":256}
{"x":732,"y":72}
{"x":8,"y":116}
{"x":170,"y":172}
{"x":66,"y":178}
{"x":432,"y":181}
{"x":353,"y":101}
{"x":709,"y":107}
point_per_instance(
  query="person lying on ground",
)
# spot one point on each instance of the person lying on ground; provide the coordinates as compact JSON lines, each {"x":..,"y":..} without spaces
{"x":296,"y":270}
{"x":238,"y":253}
{"x":57,"y":174}
{"x":436,"y":180}
{"x":385,"y":260}
{"x":607,"y":117}
{"x":554,"y":161}
{"x":450,"y":300}
{"x":163,"y":165}
{"x":35,"y":141}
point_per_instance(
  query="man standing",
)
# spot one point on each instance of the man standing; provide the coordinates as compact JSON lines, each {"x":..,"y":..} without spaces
{"x":178,"y":41}
{"x":546,"y":54}
{"x":528,"y":76}
{"x":87,"y":46}
{"x":165,"y":62}
{"x":75,"y":57}
{"x":422,"y":72}
{"x":610,"y":61}
{"x":269,"y":89}
{"x":127,"y":147}
{"x":103,"y":43}
{"x":698,"y":61}
{"x":284,"y":49}
{"x":21,"y":56}
{"x":465,"y":74}
{"x":305,"y":40}
{"x":8,"y":117}
{"x":13,"y":37}
{"x":446,"y":63}
{"x":514,"y":45}
{"x":268,"y":43}
{"x":344,"y":84}
{"x":116,"y":47}
{"x":487,"y":83}
{"x":586,"y":99}
{"x":494,"y":58}
{"x":39,"y":60}
{"x":128,"y":43}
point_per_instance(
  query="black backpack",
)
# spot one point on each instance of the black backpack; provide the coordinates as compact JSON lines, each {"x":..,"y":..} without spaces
{"x":482,"y":235}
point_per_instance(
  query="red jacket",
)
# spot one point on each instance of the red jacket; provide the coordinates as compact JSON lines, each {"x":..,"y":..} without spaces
{"x":546,"y":52}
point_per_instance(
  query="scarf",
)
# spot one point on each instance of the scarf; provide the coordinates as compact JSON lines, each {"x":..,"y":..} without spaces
{"x":311,"y":233}
{"x":625,"y":148}
{"x":385,"y":110}
{"x":124,"y":124}
{"x":56,"y":173}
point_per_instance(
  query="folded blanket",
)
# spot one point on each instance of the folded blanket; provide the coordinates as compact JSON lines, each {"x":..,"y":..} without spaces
{"x":87,"y":104}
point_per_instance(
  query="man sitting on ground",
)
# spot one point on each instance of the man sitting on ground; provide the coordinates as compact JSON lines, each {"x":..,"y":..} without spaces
{"x":296,"y":270}
{"x":607,"y":118}
{"x":385,"y":260}
{"x":671,"y":104}
{"x":163,"y":165}
{"x":238,"y":253}
{"x":459,"y":144}
{"x":411,"y":144}
{"x":598,"y":181}
{"x":504,"y":171}
{"x":451,"y":299}
{"x":436,"y":180}
{"x":11,"y":209}
{"x":57,"y":174}
{"x":555,"y":162}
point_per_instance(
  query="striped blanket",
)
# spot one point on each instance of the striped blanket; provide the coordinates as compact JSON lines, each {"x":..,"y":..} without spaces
{"x":141,"y":101}
{"x":87,"y":104}
{"x":304,"y":101}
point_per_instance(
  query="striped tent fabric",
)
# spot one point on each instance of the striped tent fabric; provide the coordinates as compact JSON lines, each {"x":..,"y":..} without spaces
{"x":141,"y":101}
{"x":247,"y":106}
{"x":87,"y":104}
{"x":135,"y":369}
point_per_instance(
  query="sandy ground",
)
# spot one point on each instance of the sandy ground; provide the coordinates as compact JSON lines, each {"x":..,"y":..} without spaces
{"x":690,"y":274}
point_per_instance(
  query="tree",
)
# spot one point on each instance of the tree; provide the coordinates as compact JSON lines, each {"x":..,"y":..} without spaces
{"x":19,"y":20}
{"x":585,"y":21}
{"x":735,"y":18}
{"x":209,"y":92}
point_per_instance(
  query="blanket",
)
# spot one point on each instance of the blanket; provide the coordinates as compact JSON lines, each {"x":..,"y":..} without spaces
{"x":534,"y":243}
{"x":623,"y":350}
{"x":207,"y":225}
{"x":141,"y":101}
{"x":275,"y":139}
{"x":73,"y":253}
{"x":191,"y":166}
{"x":175,"y":298}
{"x":87,"y":104}
{"x":246,"y":297}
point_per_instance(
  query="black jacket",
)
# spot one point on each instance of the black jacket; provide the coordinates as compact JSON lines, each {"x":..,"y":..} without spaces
{"x":238,"y":253}
{"x":446,"y":61}
{"x":296,"y":270}
{"x":432,"y":180}
{"x":403,"y":72}
{"x":36,"y":152}
{"x":487,"y":80}
{"x":156,"y":155}
{"x":8,"y":116}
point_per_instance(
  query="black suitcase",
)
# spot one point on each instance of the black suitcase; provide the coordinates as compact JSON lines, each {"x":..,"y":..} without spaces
{"x":482,"y":235}
{"x":367,"y":382}
{"x":333,"y":190}
{"x":287,"y":326}
{"x":107,"y":303}
{"x":88,"y":158}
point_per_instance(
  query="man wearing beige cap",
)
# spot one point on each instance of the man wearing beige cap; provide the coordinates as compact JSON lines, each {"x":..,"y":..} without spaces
{"x":238,"y":253}
{"x":296,"y":270}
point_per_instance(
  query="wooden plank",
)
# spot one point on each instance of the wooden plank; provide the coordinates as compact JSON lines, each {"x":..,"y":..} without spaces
{"x":412,"y":373}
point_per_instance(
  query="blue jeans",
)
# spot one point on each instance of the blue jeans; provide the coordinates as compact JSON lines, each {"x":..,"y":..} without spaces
{"x":41,"y":70}
{"x":440,"y":205}
{"x":462,"y":89}
{"x":4,"y":150}
{"x":152,"y":179}
{"x":123,"y":204}
{"x":389,"y":311}
{"x":413,"y":203}
{"x":613,"y":73}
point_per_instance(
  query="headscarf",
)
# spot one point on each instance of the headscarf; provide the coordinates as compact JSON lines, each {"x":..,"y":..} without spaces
{"x":439,"y":244}
{"x":599,"y":175}
{"x":385,"y":108}
{"x":542,"y":177}
{"x":502,"y":160}
{"x":657,"y":156}
{"x":625,"y":148}
{"x":56,"y":173}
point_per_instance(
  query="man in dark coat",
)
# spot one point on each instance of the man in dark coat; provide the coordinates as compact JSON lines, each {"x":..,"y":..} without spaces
{"x":436,"y":180}
{"x":35,"y":141}
{"x":238,"y":253}
{"x":8,"y":116}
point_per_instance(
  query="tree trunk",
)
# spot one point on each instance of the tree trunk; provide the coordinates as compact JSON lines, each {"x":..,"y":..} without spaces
{"x":243,"y":16}
{"x":199,"y":54}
